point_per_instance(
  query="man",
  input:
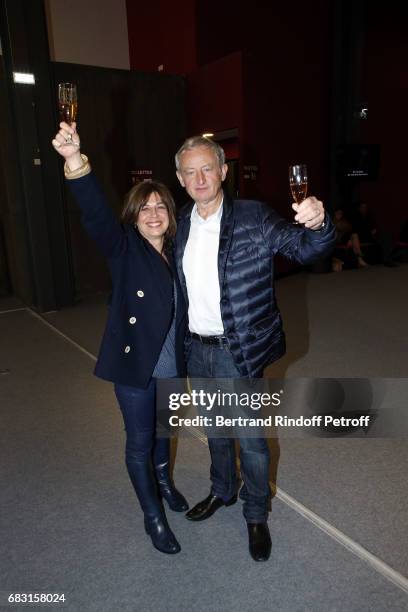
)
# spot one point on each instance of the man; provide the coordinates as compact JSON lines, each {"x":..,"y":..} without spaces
{"x":224,"y":253}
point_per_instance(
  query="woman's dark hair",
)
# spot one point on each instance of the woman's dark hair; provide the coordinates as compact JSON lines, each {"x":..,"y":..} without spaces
{"x":139,"y":195}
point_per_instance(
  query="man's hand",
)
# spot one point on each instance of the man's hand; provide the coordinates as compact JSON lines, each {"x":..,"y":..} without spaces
{"x":310,"y":212}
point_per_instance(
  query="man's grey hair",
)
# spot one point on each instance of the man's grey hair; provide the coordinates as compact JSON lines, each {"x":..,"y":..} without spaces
{"x":200,"y":141}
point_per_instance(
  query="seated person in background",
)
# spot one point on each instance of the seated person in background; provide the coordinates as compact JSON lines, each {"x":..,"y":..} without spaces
{"x":378,"y":243}
{"x":403,"y":243}
{"x":347,"y":253}
{"x":404,"y":232}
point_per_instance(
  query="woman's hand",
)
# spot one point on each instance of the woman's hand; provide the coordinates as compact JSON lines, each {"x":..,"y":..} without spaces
{"x":67,"y":143}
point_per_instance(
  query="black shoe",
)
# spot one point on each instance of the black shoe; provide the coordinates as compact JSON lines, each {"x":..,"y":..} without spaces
{"x":260,"y":543}
{"x":206,"y":508}
{"x":162,"y":536}
{"x":168,"y":491}
{"x":390,"y":264}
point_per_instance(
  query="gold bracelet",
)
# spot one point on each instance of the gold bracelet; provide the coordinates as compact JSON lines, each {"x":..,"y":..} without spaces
{"x":78,"y":172}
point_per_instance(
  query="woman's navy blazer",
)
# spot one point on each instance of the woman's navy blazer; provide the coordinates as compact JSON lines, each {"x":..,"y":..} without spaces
{"x":141,"y":308}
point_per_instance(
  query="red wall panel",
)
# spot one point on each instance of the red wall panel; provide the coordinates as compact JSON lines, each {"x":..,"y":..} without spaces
{"x":162,"y":32}
{"x":215,"y":96}
{"x":386,"y":96}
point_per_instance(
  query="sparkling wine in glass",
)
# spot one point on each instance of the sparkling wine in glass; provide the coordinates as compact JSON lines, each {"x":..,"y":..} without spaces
{"x":67,"y":102}
{"x":298,"y":182}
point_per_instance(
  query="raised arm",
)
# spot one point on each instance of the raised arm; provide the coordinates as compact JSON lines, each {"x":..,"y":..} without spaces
{"x":97,"y":217}
{"x":310,"y":240}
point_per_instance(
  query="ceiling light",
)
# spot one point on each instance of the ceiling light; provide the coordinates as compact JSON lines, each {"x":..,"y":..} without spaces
{"x":24,"y":77}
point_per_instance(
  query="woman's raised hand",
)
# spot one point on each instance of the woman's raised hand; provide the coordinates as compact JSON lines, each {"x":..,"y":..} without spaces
{"x":67,"y":143}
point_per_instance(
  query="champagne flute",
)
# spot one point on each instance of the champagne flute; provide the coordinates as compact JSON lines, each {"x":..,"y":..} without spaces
{"x":298,"y":182}
{"x":67,"y":103}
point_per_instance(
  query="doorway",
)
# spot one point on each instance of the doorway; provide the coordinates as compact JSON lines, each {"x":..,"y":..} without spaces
{"x":231,"y":183}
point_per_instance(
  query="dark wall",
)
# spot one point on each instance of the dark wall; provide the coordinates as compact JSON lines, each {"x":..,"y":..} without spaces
{"x":157,"y":123}
{"x":162,"y":33}
{"x":6,"y":244}
{"x":14,"y":257}
{"x":385,"y":87}
{"x":126,"y":121}
{"x":215,"y":96}
{"x":277,"y":93}
{"x":223,"y":28}
{"x":286,"y":105}
{"x":32,"y":203}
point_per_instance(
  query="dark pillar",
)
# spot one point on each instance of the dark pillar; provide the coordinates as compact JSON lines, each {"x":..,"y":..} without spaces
{"x":347,"y":38}
{"x":42,"y":274}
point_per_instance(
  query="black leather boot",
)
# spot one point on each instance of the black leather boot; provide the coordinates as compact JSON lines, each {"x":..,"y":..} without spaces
{"x":162,"y":537}
{"x":168,"y":491}
{"x":143,"y":480}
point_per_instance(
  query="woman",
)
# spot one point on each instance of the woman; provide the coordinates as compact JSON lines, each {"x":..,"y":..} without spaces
{"x":144,"y":334}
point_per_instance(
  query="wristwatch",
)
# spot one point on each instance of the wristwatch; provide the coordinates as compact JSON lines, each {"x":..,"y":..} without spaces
{"x":319,"y":229}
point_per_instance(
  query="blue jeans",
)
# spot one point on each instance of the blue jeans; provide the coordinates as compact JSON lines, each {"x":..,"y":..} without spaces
{"x":208,"y":361}
{"x":139,"y":415}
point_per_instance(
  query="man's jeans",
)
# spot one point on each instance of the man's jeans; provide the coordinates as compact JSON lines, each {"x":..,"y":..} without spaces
{"x":208,"y":361}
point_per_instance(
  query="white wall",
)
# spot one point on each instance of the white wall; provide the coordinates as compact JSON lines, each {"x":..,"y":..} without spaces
{"x":92,"y":32}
